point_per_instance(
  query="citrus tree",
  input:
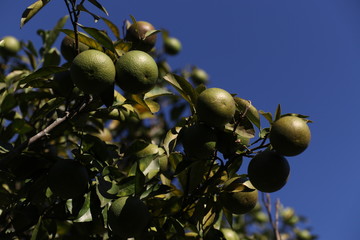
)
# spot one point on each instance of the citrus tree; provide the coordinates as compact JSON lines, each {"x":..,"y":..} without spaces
{"x":100,"y":139}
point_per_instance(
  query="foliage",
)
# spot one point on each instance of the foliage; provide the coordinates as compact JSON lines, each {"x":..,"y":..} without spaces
{"x":129,"y":144}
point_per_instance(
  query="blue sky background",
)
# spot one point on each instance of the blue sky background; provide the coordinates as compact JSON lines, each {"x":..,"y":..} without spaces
{"x":302,"y":54}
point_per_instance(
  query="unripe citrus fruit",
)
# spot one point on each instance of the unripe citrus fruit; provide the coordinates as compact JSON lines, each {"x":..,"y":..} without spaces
{"x":68,"y":48}
{"x":290,"y":135}
{"x":62,"y":84}
{"x":93,"y":71}
{"x":136,"y":72}
{"x":199,"y":76}
{"x":136,"y":35}
{"x":216,"y":107}
{"x":239,"y":202}
{"x":268,"y":171}
{"x":128,"y":217}
{"x":172,"y":46}
{"x":9,"y":46}
{"x":68,"y":179}
{"x":199,"y":141}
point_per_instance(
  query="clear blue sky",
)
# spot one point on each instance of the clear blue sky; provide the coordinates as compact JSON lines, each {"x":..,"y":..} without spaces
{"x":303,"y":54}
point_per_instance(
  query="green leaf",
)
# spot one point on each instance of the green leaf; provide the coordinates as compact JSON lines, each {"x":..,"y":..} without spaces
{"x":32,"y":10}
{"x":139,"y":181}
{"x":54,"y":33}
{"x":170,"y":139}
{"x":20,"y":126}
{"x":267,"y":115}
{"x":48,"y":107}
{"x":114,"y":29}
{"x":98,"y":5}
{"x":183,"y":87}
{"x":84,"y":39}
{"x":84,"y":214}
{"x":245,"y":107}
{"x":100,"y":36}
{"x":43,"y":73}
{"x":52,"y":58}
{"x":278,"y":112}
{"x":81,"y":7}
{"x":8,"y":102}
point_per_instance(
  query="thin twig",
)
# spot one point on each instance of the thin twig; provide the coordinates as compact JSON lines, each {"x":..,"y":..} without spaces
{"x":274,"y":223}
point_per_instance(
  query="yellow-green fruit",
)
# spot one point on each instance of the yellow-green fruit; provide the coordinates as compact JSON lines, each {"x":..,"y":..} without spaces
{"x":172,"y":46}
{"x":215,"y":107}
{"x":136,"y":35}
{"x":128,"y":217}
{"x":230,"y":234}
{"x":136,"y":72}
{"x":199,"y":76}
{"x":68,"y":48}
{"x":268,"y":171}
{"x":9,"y":46}
{"x":290,"y":135}
{"x":199,"y":141}
{"x":239,"y":202}
{"x":68,"y":179}
{"x":93,"y":71}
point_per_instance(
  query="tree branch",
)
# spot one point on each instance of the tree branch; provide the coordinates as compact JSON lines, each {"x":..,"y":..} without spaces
{"x":274,"y":222}
{"x":45,"y":132}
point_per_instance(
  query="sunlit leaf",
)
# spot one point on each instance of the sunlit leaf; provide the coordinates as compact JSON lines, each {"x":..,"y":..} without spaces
{"x":245,"y":107}
{"x":114,"y":29}
{"x":170,"y":139}
{"x":84,"y":39}
{"x":32,"y":10}
{"x":183,"y":87}
{"x":84,"y":214}
{"x":267,"y":115}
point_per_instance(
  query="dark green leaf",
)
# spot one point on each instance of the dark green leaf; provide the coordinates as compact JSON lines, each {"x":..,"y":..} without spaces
{"x":100,"y":36}
{"x":8,"y":103}
{"x":82,"y":8}
{"x":52,"y":58}
{"x":32,"y":10}
{"x":54,"y":33}
{"x":278,"y":112}
{"x":48,"y":107}
{"x":114,"y":29}
{"x":98,"y":5}
{"x":43,"y":73}
{"x":20,"y":126}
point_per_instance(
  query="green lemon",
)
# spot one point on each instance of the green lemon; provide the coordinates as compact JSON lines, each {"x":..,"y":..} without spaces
{"x":68,"y":48}
{"x":9,"y":46}
{"x":172,"y":46}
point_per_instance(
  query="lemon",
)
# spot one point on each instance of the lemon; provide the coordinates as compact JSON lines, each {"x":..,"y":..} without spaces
{"x":136,"y":35}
